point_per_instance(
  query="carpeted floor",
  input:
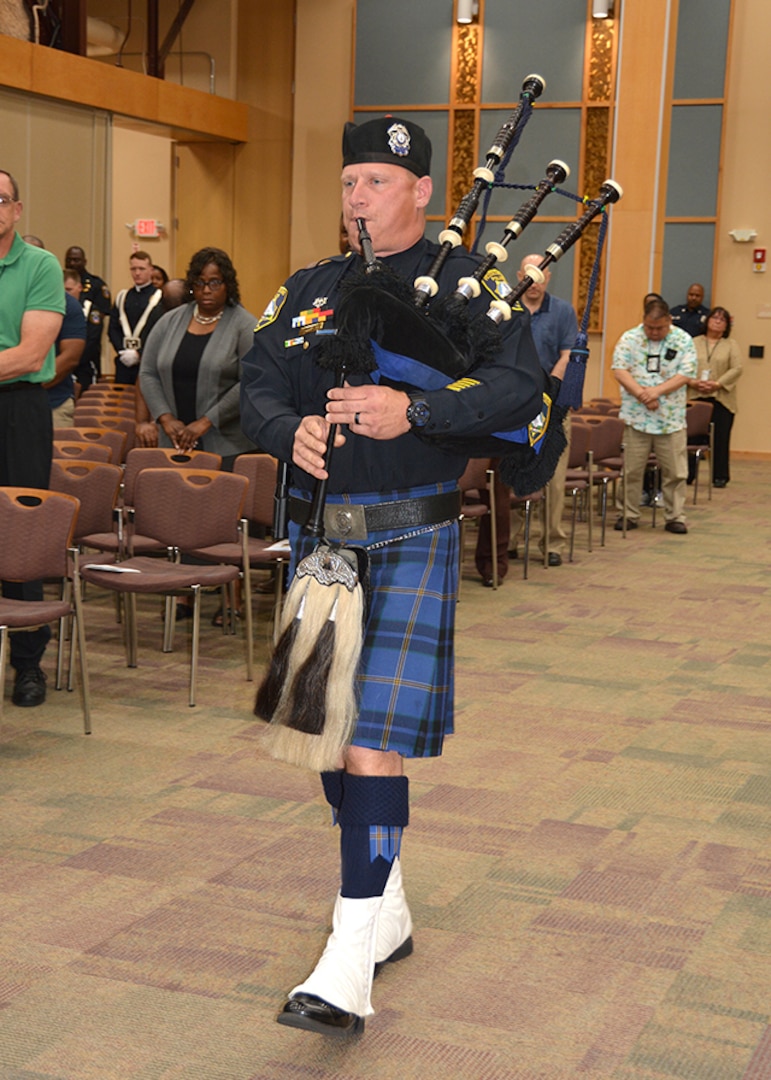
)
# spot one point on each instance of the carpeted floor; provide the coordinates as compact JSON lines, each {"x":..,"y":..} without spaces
{"x":589,"y":864}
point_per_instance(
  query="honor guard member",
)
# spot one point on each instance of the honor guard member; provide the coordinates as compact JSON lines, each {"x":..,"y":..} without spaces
{"x":134,"y":314}
{"x":401,"y":490}
{"x":96,"y":301}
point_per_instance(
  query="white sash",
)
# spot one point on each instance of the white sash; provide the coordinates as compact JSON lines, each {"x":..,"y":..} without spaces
{"x":132,"y":338}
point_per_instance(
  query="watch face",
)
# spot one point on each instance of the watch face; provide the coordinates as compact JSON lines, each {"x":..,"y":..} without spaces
{"x":418,"y":413}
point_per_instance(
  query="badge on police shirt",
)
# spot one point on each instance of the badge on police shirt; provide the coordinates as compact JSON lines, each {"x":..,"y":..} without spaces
{"x":270,"y":314}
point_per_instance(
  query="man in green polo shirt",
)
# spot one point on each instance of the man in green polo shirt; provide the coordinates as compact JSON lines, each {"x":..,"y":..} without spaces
{"x":31,"y":311}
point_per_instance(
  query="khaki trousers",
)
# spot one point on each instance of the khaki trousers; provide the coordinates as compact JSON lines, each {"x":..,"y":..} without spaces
{"x":672,"y":456}
{"x":555,"y":494}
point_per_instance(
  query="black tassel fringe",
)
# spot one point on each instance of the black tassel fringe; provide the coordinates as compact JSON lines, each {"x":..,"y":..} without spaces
{"x":308,"y":703}
{"x":269,"y":690}
{"x":525,"y":471}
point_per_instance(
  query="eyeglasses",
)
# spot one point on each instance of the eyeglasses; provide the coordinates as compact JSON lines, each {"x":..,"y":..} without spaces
{"x":213,"y":283}
{"x":7,"y":200}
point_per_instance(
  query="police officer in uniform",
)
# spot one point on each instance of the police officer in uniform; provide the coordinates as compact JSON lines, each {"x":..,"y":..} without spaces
{"x":96,"y":301}
{"x":382,"y":467}
{"x":692,"y":315}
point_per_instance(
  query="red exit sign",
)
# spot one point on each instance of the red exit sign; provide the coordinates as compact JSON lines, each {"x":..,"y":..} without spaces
{"x":146,"y":227}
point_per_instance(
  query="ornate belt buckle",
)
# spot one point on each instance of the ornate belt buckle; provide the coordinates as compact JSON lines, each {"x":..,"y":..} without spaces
{"x":345,"y":521}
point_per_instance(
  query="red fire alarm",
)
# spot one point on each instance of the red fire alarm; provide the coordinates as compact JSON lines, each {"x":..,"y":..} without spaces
{"x":759,"y":260}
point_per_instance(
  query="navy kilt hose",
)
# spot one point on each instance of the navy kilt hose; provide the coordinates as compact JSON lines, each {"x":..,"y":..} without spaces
{"x":405,"y":681}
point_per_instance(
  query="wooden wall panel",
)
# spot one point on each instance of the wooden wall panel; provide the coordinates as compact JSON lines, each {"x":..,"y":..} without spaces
{"x":640,"y":130}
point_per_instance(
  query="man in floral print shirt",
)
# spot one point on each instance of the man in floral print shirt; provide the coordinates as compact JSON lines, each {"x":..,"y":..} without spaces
{"x":652,"y":363}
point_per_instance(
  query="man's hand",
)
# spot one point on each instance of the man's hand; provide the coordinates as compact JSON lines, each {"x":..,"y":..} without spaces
{"x":310,"y":445}
{"x":649,"y":397}
{"x":379,"y":412}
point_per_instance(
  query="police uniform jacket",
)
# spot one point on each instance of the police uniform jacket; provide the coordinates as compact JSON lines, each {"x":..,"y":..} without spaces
{"x":282,"y":382}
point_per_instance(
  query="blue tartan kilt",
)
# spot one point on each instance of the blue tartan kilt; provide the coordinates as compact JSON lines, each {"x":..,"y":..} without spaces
{"x":405,"y":683}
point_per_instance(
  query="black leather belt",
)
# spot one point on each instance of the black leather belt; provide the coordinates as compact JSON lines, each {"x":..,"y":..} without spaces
{"x":22,"y":384}
{"x":355,"y":521}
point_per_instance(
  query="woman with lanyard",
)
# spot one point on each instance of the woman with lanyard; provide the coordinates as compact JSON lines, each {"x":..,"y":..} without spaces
{"x":720,"y":369}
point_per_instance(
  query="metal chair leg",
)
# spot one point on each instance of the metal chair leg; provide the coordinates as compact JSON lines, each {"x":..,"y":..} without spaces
{"x":526,"y":559}
{"x":196,"y":637}
{"x":493,"y":525}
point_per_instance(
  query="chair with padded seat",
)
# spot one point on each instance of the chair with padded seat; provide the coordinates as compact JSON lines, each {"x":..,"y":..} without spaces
{"x":106,"y":388}
{"x":109,"y":421}
{"x":478,"y":478}
{"x":700,"y":440}
{"x":81,"y":451}
{"x":179,"y":509}
{"x":577,"y":480}
{"x":252,"y":552}
{"x":95,"y":435}
{"x":95,"y":484}
{"x":604,"y":459}
{"x":526,"y":503}
{"x":37,"y":528}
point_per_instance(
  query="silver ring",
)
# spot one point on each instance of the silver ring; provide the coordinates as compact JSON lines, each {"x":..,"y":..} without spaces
{"x":356,"y":419}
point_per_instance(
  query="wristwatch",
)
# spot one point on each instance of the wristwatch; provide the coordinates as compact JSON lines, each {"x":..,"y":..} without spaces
{"x":418,"y":410}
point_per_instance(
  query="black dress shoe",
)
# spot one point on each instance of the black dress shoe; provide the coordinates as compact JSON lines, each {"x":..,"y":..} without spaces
{"x":29,"y":688}
{"x":676,"y":527}
{"x":311,"y":1013}
{"x":554,"y":559}
{"x":631,"y":523}
{"x":487,"y":582}
{"x":719,"y":483}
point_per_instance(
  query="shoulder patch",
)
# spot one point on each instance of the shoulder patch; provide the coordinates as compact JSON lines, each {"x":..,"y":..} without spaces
{"x":270,"y":314}
{"x":496,"y":284}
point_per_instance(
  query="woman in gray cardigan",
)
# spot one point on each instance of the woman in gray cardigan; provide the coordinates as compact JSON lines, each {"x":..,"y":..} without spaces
{"x":191,"y":363}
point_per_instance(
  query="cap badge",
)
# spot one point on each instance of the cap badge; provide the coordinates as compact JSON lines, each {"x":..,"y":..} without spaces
{"x":398,"y":140}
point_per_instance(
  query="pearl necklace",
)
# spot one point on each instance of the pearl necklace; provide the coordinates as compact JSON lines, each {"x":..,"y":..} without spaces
{"x":206,"y":320}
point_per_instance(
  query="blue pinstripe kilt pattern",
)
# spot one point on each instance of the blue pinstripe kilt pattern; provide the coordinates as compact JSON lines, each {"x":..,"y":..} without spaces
{"x":405,"y":681}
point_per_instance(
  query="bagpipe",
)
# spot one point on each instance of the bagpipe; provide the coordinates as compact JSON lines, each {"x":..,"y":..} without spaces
{"x":391,"y":330}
